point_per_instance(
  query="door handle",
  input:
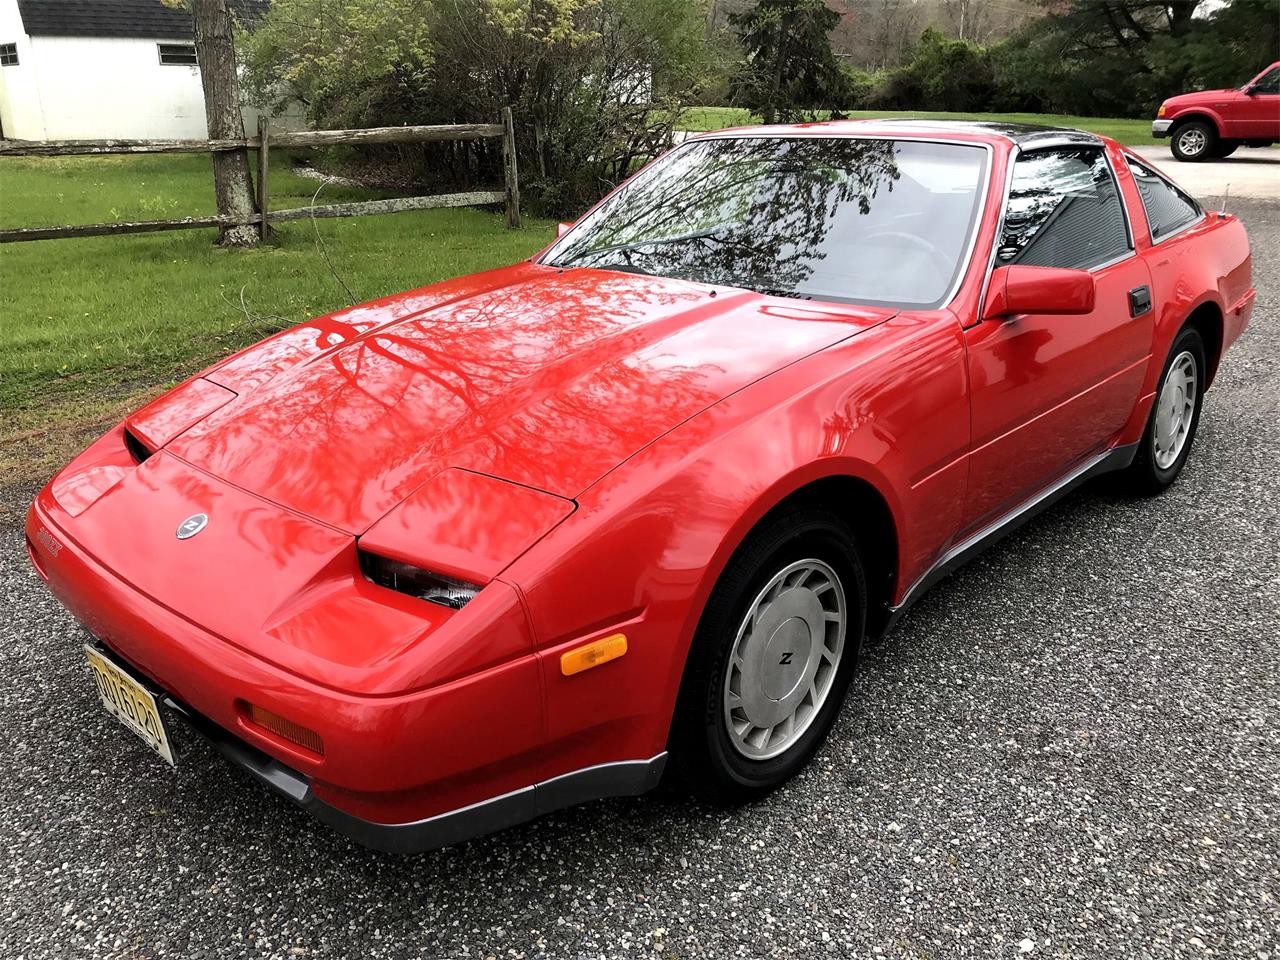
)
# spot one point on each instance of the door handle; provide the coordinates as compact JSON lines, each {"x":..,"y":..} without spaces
{"x":1139,"y":301}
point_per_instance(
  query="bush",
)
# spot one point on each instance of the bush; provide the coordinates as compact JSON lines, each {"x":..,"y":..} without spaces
{"x":594,"y":85}
{"x":1072,"y":62}
{"x":942,"y":74}
{"x":859,"y":86}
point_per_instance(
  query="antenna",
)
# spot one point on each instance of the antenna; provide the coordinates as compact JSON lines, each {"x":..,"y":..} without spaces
{"x":1226,"y":195}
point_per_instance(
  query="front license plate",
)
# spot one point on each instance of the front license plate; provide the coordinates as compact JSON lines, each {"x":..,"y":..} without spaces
{"x":130,"y":703}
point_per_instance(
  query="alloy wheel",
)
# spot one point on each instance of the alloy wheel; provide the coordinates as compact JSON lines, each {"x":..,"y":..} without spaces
{"x":1192,"y":141}
{"x":784,"y":659}
{"x":1175,"y":410}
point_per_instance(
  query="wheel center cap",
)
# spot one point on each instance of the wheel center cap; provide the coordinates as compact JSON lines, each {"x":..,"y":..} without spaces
{"x":785,"y":657}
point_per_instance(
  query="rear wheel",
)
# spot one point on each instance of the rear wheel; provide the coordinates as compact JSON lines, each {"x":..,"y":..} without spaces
{"x":1194,"y":141}
{"x":772,"y":657}
{"x":1175,"y":415}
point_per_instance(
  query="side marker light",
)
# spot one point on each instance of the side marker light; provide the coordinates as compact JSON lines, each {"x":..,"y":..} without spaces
{"x":593,"y":654}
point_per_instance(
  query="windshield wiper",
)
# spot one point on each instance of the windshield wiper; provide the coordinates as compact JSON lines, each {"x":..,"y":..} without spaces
{"x":772,"y":292}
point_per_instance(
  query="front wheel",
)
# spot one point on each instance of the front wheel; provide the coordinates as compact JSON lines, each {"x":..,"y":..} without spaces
{"x":1194,"y":141}
{"x":1175,"y":415}
{"x":771,"y":658}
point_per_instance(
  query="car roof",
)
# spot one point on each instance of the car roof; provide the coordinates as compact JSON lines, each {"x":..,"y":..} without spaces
{"x":1024,"y":135}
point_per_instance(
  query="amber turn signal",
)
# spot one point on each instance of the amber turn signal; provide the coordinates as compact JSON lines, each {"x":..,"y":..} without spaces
{"x":593,"y":654}
{"x":285,"y":729}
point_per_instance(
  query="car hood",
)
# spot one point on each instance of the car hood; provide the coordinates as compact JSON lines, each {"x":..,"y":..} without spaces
{"x":541,"y":376}
{"x":1199,"y":97}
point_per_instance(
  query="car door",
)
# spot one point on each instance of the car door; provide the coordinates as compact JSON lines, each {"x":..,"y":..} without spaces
{"x":1259,"y":109}
{"x":1047,"y":392}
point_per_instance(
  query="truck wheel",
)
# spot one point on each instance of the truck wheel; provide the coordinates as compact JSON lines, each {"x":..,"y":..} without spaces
{"x":1224,"y":149}
{"x":771,"y":658}
{"x":1194,"y":141}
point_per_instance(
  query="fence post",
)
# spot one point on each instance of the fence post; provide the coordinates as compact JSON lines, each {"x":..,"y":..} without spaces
{"x":509,"y":168}
{"x":263,"y":166}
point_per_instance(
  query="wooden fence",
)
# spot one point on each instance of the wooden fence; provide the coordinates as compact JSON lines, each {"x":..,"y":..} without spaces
{"x":263,"y":142}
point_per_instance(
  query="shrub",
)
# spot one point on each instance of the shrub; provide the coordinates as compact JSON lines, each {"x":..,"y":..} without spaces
{"x":594,"y":85}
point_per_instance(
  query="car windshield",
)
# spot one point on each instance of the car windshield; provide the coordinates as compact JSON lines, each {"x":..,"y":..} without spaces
{"x":831,"y":218}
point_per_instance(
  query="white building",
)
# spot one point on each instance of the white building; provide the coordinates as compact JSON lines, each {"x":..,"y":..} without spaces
{"x":98,"y":69}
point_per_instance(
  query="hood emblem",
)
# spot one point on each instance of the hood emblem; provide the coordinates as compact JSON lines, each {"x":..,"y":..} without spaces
{"x":189,"y":527}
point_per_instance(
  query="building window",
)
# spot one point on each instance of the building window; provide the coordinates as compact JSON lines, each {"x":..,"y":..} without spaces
{"x":8,"y":54}
{"x":178,"y":54}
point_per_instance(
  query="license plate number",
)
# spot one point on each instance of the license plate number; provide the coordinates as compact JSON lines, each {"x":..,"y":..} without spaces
{"x":130,"y":703}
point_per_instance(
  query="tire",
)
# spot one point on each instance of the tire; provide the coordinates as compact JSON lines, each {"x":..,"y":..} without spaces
{"x":716,"y":759}
{"x":1152,"y":470}
{"x":1194,"y":141}
{"x":1224,"y":149}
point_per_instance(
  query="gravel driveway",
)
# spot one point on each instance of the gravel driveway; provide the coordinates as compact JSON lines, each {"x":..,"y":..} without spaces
{"x":1069,"y":749}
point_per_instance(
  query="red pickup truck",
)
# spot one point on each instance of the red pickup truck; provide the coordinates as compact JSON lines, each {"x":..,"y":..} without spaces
{"x":1211,"y":124}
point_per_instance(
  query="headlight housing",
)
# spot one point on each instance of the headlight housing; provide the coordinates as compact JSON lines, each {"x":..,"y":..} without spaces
{"x":456,"y":533}
{"x":416,"y":582}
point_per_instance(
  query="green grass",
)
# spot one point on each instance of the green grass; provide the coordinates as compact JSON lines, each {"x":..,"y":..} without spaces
{"x":106,"y":311}
{"x":1132,"y":132}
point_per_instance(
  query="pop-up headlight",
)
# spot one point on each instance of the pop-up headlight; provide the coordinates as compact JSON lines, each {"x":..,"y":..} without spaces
{"x":405,"y":578}
{"x":456,"y":533}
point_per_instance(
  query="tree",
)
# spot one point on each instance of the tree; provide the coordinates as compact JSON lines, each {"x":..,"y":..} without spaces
{"x":1122,"y":57}
{"x":232,"y":184}
{"x":1115,"y":57}
{"x":789,"y":68}
{"x":943,"y":74}
{"x":595,"y":86}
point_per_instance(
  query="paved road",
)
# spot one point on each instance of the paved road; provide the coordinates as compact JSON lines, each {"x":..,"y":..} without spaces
{"x":1070,"y":749}
{"x":1247,"y":173}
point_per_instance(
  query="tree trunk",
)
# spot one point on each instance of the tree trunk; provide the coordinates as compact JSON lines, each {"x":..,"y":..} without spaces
{"x":232,"y":185}
{"x":770,"y":112}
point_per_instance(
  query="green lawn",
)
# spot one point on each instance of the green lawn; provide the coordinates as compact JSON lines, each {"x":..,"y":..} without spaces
{"x":1132,"y":132}
{"x":89,"y":325}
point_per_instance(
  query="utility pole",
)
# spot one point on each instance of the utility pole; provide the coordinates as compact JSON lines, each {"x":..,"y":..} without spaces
{"x":232,"y":184}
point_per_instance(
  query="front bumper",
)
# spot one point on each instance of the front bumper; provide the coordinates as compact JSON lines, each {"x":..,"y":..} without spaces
{"x":405,"y":772}
{"x":1160,"y":128}
{"x":626,"y":778}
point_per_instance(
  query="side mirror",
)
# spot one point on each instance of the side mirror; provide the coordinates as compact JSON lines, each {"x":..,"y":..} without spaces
{"x":1053,"y":290}
{"x":562,"y":229}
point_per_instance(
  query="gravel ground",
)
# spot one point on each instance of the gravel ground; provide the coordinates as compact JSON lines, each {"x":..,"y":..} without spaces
{"x":1070,"y":749}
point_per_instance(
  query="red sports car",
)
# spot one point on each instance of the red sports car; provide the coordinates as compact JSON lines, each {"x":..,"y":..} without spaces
{"x":443,"y":562}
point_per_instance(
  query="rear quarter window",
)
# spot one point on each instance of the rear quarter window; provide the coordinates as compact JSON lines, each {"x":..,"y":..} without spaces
{"x":1168,"y":209}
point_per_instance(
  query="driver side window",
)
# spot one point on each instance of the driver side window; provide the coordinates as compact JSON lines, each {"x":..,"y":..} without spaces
{"x":1064,"y":211}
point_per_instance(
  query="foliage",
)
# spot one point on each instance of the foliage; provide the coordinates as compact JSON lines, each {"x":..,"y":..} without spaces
{"x":1133,"y":132}
{"x":859,"y":87}
{"x":789,"y":67}
{"x":1122,"y":57}
{"x":943,"y":74}
{"x":595,"y":85}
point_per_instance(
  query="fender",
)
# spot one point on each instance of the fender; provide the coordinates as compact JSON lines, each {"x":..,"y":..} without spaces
{"x":623,"y":564}
{"x":834,"y":468}
{"x":1197,"y":112}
